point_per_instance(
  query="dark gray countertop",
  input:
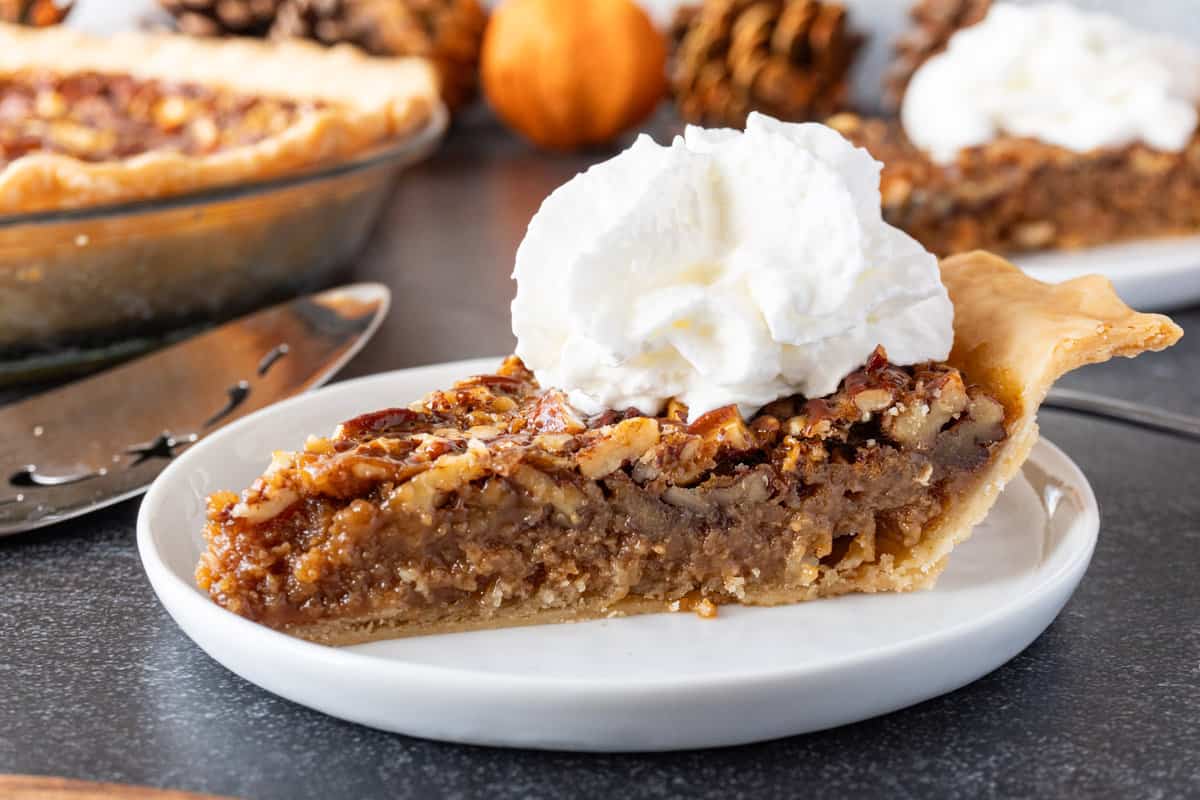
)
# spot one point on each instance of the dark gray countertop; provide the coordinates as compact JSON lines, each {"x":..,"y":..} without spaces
{"x":96,"y":681}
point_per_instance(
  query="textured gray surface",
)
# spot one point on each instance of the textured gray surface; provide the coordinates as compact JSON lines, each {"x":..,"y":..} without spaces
{"x":98,"y":683}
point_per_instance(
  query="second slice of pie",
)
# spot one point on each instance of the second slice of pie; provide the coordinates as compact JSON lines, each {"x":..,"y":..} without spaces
{"x":1037,"y":126}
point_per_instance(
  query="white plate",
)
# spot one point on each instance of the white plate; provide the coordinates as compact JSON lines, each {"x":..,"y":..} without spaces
{"x":1151,"y":275}
{"x":655,"y":682}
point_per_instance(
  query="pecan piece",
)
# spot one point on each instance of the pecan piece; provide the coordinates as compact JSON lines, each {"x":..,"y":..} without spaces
{"x":725,"y":428}
{"x":680,"y":458}
{"x":918,"y":422}
{"x":613,"y":445}
{"x":552,"y":414}
{"x":421,"y":493}
{"x":388,"y":420}
{"x":561,"y":496}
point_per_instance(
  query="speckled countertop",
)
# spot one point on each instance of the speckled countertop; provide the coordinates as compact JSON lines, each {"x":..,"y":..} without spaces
{"x":97,"y":682}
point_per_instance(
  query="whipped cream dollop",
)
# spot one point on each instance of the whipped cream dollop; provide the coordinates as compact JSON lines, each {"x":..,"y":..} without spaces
{"x":1080,"y":80}
{"x":725,"y":268}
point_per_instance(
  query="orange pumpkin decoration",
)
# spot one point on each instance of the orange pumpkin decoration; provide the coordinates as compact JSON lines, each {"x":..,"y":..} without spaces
{"x":571,"y":73}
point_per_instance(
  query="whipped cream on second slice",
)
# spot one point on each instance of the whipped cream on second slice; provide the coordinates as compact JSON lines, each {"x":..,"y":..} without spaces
{"x":1052,"y":72}
{"x":726,"y":268}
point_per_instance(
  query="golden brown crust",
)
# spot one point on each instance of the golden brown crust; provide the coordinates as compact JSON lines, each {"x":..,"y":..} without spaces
{"x":1016,"y":336}
{"x":369,"y":101}
{"x":402,"y":624}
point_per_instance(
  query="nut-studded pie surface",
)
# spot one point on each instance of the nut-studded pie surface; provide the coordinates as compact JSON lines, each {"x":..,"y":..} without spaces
{"x":87,"y":121}
{"x":494,"y":503}
{"x":1017,"y":194}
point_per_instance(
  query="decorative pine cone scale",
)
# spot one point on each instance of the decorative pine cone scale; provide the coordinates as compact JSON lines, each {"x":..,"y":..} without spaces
{"x":448,"y":32}
{"x":223,"y":17}
{"x":933,"y":23}
{"x":786,"y":58}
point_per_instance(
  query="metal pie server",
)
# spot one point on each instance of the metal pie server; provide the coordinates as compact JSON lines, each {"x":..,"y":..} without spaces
{"x":103,"y":439}
{"x":1155,"y":419}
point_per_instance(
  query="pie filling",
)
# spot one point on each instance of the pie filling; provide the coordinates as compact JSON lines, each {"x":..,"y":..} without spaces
{"x":98,"y":117}
{"x":1021,"y":194}
{"x":493,"y":502}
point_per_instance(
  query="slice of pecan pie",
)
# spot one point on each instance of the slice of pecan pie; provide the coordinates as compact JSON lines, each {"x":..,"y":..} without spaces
{"x":1016,"y":194}
{"x":495,"y":504}
{"x":86,"y":121}
{"x":1024,"y":189}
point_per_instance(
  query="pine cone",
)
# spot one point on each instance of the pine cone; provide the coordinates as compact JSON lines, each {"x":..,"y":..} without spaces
{"x":933,"y":23}
{"x":786,"y":58}
{"x":223,"y":17}
{"x":448,"y":32}
{"x":38,"y":13}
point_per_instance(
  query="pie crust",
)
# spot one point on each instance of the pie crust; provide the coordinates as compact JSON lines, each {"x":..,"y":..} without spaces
{"x":1016,"y":336}
{"x":358,"y":102}
{"x":412,"y":521}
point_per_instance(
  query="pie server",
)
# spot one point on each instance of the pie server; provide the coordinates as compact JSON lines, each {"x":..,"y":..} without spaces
{"x":1149,"y":417}
{"x":103,"y":439}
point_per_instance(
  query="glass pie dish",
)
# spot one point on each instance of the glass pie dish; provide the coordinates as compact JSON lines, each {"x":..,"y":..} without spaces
{"x":85,"y":286}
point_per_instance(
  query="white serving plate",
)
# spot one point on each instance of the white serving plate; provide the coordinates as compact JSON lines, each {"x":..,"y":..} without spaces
{"x":657,"y":682}
{"x":1150,"y":275}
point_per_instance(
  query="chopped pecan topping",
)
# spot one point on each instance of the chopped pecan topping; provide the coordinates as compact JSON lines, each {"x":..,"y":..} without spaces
{"x":552,"y":414}
{"x":495,"y":491}
{"x":614,"y":445}
{"x":529,"y":435}
{"x":103,"y":117}
{"x":724,"y":428}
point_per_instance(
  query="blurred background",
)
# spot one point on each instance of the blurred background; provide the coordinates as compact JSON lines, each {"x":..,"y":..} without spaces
{"x":486,"y":178}
{"x":882,"y":19}
{"x":1095,"y":705}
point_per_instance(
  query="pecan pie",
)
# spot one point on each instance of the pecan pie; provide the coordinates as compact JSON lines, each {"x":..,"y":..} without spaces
{"x":494,"y":503}
{"x":87,"y":121}
{"x":1018,"y":194}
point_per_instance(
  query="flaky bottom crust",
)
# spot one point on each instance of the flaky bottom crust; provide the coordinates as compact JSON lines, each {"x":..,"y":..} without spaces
{"x":403,"y":623}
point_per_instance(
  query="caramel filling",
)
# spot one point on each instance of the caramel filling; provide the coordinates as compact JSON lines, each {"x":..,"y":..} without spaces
{"x":494,"y":495}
